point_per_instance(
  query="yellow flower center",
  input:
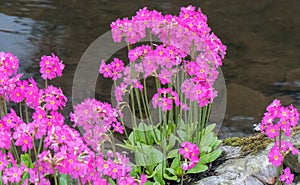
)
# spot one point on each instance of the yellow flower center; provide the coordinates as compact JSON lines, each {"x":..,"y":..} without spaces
{"x":26,"y":141}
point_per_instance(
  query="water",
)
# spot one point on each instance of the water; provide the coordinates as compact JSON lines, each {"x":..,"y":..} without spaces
{"x":263,"y":44}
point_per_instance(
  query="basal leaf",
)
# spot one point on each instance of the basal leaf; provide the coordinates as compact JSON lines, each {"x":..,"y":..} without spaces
{"x":198,"y":168}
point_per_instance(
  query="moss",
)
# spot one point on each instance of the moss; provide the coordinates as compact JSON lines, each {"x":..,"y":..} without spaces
{"x":249,"y":145}
{"x":255,"y":143}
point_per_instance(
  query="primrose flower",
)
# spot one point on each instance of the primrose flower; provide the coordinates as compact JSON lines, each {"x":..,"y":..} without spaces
{"x":164,"y":98}
{"x":190,"y":153}
{"x":287,"y":176}
{"x":113,"y":70}
{"x":275,"y":156}
{"x":52,"y":98}
{"x":9,"y":65}
{"x":51,"y":67}
{"x":13,"y":174}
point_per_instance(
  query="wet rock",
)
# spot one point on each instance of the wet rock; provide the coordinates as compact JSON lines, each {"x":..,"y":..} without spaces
{"x":263,"y":76}
{"x":246,"y":102}
{"x":293,"y":80}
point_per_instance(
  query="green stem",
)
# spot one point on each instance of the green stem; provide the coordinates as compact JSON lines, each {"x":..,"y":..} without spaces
{"x":46,"y":83}
{"x":150,"y":38}
{"x":26,"y":114}
{"x":55,"y":176}
{"x":41,"y":144}
{"x":37,"y":160}
{"x":15,"y":151}
{"x":5,"y":106}
{"x":20,"y":109}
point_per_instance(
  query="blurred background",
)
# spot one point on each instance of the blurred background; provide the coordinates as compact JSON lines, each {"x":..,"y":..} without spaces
{"x":262,"y":39}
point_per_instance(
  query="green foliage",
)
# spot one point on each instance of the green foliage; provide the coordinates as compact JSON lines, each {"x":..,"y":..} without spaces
{"x":25,"y":159}
{"x":156,"y":151}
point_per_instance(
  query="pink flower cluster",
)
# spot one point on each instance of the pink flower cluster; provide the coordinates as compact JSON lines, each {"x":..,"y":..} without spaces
{"x":188,"y":29}
{"x":9,"y":65}
{"x":190,"y":153}
{"x":112,"y":70}
{"x":277,"y":153}
{"x":164,"y":98}
{"x":64,"y":150}
{"x":181,"y":35}
{"x":52,"y":98}
{"x":279,"y":119}
{"x":287,"y":176}
{"x":51,"y":67}
{"x":96,"y":118}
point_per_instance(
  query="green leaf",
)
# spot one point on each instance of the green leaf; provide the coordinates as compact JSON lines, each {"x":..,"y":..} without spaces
{"x":152,"y":175}
{"x":172,"y":141}
{"x":216,"y":144}
{"x":214,"y":155}
{"x":150,"y":168}
{"x":207,"y":139}
{"x":24,"y":177}
{"x":63,"y":179}
{"x":172,"y":178}
{"x":206,"y":149}
{"x":147,"y":155}
{"x":133,"y":171}
{"x":175,"y":163}
{"x":182,"y":135}
{"x":210,"y":127}
{"x":171,"y":171}
{"x":111,"y":182}
{"x":179,"y":171}
{"x":210,"y":157}
{"x":198,"y":168}
{"x":172,"y":154}
{"x":159,"y":175}
{"x":149,"y":183}
{"x":25,"y":158}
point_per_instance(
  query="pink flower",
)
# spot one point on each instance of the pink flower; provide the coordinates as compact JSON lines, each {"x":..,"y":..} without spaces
{"x":275,"y":156}
{"x":272,"y":131}
{"x":190,"y":153}
{"x":143,"y":178}
{"x":165,"y":76}
{"x":52,"y":98}
{"x":23,"y":138}
{"x":14,"y":174}
{"x":9,"y":64}
{"x":6,"y":139}
{"x":51,"y":67}
{"x":137,"y":84}
{"x":287,"y":176}
{"x":3,"y":161}
{"x":118,"y":127}
{"x":165,"y":104}
{"x":32,"y":94}
{"x":113,"y":70}
{"x":127,"y":181}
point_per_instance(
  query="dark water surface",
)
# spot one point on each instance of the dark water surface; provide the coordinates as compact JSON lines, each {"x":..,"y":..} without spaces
{"x":263,"y":40}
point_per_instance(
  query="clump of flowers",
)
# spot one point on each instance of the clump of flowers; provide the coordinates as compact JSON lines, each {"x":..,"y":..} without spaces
{"x":190,"y":153}
{"x":41,"y":134}
{"x":279,"y":120}
{"x":184,"y":65}
{"x":51,"y":67}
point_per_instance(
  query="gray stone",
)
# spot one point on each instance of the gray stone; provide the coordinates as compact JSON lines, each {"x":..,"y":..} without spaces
{"x":231,"y":151}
